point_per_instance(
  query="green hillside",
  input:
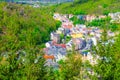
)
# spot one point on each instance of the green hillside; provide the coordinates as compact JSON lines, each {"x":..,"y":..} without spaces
{"x":90,"y":6}
{"x":23,"y":30}
{"x":24,"y":27}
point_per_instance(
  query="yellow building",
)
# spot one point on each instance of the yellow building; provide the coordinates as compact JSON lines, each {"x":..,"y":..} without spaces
{"x":77,"y":35}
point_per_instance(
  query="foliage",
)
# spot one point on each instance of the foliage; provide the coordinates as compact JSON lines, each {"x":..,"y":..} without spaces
{"x":68,"y":38}
{"x":103,"y":23}
{"x":70,"y":68}
{"x":108,"y":65}
{"x":77,"y":21}
{"x":89,"y":7}
{"x":24,"y":26}
{"x":61,"y":36}
{"x":17,"y":67}
{"x":23,"y":30}
{"x":97,"y":22}
{"x":80,"y":1}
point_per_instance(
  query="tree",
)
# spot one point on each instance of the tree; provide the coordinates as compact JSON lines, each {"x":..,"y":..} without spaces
{"x":18,"y":66}
{"x":80,"y":1}
{"x":23,"y":30}
{"x":71,"y":67}
{"x":108,"y":65}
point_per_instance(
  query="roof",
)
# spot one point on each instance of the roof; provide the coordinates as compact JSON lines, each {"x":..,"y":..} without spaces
{"x":67,"y":26}
{"x":48,"y":56}
{"x":76,"y":35}
{"x":60,"y":45}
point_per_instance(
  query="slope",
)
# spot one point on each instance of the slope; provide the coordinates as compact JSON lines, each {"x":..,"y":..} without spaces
{"x":90,"y":7}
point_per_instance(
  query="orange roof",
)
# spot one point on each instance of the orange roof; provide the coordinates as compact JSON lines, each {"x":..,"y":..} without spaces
{"x":48,"y":56}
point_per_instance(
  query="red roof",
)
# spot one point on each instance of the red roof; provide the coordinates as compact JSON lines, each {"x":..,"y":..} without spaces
{"x":67,"y":26}
{"x":60,"y":45}
{"x":63,"y":45}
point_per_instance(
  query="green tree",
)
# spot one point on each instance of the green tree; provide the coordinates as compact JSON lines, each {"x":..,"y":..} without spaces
{"x":108,"y":64}
{"x":70,"y":69}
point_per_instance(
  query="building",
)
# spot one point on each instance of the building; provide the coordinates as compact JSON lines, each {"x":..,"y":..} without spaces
{"x":79,"y":43}
{"x":76,"y":35}
{"x":55,"y":37}
{"x":90,"y":17}
{"x":115,"y":17}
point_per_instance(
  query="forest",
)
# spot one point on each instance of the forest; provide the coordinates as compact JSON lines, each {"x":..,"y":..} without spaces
{"x":89,"y":7}
{"x":23,"y":30}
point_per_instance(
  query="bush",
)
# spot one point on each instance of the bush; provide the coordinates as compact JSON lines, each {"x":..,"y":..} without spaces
{"x":77,"y":21}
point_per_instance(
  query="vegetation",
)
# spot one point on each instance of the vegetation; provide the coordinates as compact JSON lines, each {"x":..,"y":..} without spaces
{"x":24,"y":29}
{"x":89,"y":7}
{"x":103,"y":23}
{"x":107,"y":67}
{"x":69,"y":68}
{"x":77,"y":21}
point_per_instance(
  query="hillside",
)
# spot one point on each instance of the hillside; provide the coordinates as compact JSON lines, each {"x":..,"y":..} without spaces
{"x":90,"y":7}
{"x":41,"y":1}
{"x":24,"y":27}
{"x":23,"y":30}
